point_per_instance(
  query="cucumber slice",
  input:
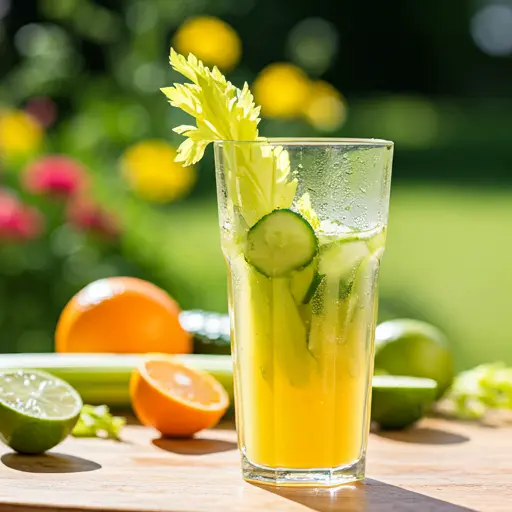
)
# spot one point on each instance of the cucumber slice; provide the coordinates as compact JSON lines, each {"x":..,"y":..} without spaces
{"x":301,"y":282}
{"x":345,"y":286}
{"x":313,"y":287}
{"x":210,"y":331}
{"x":305,"y":283}
{"x":377,"y":241}
{"x":341,"y":259}
{"x":281,"y":242}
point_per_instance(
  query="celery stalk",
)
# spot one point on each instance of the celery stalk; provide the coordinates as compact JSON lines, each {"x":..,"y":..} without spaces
{"x":258,"y":179}
{"x":104,"y":378}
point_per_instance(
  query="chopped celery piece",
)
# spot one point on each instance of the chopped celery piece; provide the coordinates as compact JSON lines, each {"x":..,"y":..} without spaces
{"x":98,"y":422}
{"x":478,"y":391}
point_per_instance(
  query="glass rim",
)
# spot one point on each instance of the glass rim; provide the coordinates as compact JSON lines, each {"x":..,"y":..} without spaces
{"x":311,"y":141}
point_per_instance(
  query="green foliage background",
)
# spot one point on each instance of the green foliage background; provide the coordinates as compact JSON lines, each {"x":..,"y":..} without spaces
{"x":102,"y":62}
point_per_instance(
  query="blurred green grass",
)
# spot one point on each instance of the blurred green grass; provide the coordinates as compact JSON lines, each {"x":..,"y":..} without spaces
{"x":448,"y":255}
{"x":451,"y":246}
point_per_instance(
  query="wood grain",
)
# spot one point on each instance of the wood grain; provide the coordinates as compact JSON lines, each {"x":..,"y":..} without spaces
{"x":437,"y":467}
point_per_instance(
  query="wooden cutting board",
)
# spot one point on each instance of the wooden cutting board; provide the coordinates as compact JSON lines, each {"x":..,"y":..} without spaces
{"x":438,"y":466}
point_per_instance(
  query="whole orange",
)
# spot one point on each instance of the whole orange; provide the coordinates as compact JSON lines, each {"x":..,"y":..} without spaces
{"x":122,"y":315}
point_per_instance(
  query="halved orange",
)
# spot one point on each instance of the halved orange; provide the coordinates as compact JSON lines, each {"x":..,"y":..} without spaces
{"x":176,"y":400}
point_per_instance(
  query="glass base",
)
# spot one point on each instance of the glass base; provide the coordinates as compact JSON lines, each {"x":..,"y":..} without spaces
{"x":315,"y":477}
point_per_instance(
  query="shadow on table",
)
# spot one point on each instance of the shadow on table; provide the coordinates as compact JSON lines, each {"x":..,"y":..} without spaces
{"x":48,"y":463}
{"x":200,"y":446}
{"x":424,"y":435}
{"x":367,"y":496}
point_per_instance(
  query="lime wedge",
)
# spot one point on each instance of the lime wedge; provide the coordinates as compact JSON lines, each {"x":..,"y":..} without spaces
{"x":398,"y":402}
{"x":37,"y":410}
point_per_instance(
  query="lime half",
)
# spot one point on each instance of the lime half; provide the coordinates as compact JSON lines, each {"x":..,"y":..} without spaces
{"x":37,"y":410}
{"x":398,"y":402}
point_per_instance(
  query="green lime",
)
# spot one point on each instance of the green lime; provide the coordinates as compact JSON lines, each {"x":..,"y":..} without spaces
{"x":37,"y":410}
{"x":398,"y":402}
{"x":414,"y":348}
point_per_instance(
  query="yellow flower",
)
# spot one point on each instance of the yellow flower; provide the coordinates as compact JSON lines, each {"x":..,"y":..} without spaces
{"x":281,"y":89}
{"x":20,"y":134}
{"x":211,"y":40}
{"x":325,"y":109}
{"x":152,"y":173}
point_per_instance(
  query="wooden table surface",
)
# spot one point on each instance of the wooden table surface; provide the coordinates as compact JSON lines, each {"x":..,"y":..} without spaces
{"x":438,"y":466}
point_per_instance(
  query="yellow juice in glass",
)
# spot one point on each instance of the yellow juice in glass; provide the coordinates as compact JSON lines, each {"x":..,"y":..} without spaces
{"x":302,"y":347}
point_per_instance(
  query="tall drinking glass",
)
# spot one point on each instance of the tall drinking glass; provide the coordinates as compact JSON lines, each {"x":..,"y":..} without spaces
{"x":303,"y":228}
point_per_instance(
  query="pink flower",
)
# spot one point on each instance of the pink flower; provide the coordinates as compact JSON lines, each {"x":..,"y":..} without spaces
{"x":55,"y":175}
{"x":18,"y":222}
{"x":85,"y":215}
